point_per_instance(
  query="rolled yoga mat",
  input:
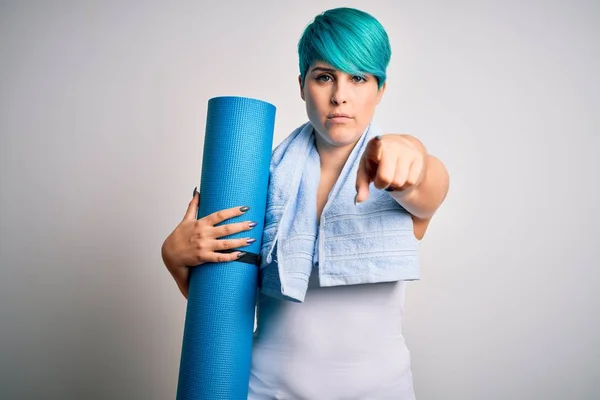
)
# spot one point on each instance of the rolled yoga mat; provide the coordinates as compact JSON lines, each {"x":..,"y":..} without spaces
{"x":219,"y":323}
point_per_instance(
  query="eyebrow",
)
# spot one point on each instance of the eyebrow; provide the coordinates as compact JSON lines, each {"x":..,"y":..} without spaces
{"x":324,"y":69}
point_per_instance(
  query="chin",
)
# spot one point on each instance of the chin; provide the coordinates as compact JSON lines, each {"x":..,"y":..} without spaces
{"x":341,"y":135}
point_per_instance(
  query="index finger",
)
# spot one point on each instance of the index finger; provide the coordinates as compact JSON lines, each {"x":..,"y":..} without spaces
{"x":223,"y":215}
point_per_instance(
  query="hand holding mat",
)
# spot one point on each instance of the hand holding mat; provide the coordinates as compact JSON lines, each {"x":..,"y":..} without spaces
{"x":217,"y":341}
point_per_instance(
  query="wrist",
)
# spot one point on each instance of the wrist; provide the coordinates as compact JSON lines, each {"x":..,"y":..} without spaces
{"x":166,"y":254}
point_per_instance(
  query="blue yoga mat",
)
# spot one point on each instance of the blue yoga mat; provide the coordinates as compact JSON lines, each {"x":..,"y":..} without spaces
{"x":217,"y":339}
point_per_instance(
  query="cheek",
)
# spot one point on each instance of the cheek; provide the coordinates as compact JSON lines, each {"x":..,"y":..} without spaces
{"x":316,"y":101}
{"x":312,"y":109}
{"x":310,"y":105}
{"x":367,"y":105}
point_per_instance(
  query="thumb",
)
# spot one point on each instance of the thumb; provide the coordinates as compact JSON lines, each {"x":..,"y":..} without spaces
{"x":192,"y":210}
{"x":362,"y":183}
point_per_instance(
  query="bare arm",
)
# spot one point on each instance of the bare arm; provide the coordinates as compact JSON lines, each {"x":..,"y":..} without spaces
{"x":398,"y":163}
{"x":423,"y":200}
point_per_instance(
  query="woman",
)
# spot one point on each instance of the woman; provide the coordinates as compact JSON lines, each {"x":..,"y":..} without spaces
{"x":344,"y":340}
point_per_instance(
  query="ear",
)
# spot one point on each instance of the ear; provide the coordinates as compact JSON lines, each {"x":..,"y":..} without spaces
{"x":380,"y":92}
{"x":301,"y":87}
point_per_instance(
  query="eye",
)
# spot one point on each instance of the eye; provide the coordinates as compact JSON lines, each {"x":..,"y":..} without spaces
{"x":359,"y":79}
{"x":323,"y":78}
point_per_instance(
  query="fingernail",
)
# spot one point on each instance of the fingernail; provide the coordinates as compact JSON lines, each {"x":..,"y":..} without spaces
{"x":244,"y":209}
{"x":195,"y":191}
{"x":389,"y":189}
{"x":378,"y":137}
{"x":241,"y":253}
{"x":252,"y":224}
{"x":356,"y":202}
{"x":250,"y":240}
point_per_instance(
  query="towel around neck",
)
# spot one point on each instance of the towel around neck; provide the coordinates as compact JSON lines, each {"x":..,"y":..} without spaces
{"x":357,"y":244}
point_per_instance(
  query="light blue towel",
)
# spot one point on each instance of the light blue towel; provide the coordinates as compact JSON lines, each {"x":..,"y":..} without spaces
{"x":366,"y":243}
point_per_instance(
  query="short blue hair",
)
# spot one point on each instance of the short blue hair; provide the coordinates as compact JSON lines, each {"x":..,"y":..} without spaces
{"x":348,"y":39}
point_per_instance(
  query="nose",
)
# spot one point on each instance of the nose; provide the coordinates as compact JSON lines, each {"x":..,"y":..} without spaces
{"x":340,"y":94}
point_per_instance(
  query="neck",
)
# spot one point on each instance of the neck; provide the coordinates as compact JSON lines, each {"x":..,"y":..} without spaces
{"x":333,"y":158}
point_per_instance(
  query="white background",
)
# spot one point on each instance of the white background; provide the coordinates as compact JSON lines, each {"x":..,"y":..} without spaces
{"x":102,"y":113}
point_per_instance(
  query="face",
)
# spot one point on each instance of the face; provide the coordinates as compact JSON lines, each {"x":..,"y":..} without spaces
{"x":339,"y":105}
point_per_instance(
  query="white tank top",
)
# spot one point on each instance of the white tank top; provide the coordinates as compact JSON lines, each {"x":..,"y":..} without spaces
{"x":343,"y":342}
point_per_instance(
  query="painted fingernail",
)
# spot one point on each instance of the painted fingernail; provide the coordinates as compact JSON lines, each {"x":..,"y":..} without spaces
{"x":250,"y":240}
{"x":241,"y":254}
{"x":195,"y":191}
{"x":389,"y":189}
{"x":252,"y":224}
{"x":244,"y":209}
{"x":378,"y":137}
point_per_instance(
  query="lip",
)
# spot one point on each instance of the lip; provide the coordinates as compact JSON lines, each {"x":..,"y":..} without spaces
{"x":338,"y":115}
{"x":338,"y":118}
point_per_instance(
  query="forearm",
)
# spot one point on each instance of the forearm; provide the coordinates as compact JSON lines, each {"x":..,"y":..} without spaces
{"x":423,"y":200}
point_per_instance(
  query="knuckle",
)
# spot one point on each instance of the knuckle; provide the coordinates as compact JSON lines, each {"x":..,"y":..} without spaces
{"x":202,"y":232}
{"x":221,"y":215}
{"x":383,"y":181}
